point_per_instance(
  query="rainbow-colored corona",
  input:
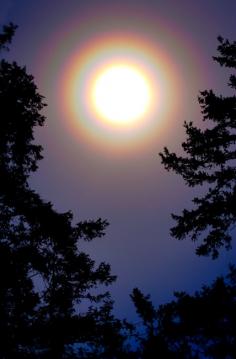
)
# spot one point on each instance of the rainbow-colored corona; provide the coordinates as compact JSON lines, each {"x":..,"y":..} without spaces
{"x":83,"y":49}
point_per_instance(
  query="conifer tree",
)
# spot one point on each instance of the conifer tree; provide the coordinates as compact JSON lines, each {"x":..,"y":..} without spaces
{"x":44,"y":276}
{"x":210,"y":161}
{"x":201,"y":325}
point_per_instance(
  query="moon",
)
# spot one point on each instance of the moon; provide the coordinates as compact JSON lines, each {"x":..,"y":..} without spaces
{"x":121,"y":94}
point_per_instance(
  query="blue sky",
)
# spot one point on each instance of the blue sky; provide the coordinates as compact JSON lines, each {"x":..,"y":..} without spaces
{"x":130,"y":189}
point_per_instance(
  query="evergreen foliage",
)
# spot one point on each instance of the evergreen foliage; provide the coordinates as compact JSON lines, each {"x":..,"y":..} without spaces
{"x":202,"y":325}
{"x":44,"y":276}
{"x":210,"y":161}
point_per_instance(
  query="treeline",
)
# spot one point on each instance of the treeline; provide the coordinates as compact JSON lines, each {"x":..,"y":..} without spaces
{"x":45,"y":276}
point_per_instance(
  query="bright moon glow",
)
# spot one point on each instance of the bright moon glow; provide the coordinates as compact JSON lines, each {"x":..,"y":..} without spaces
{"x":118,"y":90}
{"x":121,"y":94}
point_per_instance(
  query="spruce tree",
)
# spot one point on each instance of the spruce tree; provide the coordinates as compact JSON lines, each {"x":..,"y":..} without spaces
{"x":210,"y":162}
{"x":44,"y":276}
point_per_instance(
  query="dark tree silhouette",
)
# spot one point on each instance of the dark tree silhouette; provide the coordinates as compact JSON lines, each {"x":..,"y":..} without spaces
{"x":210,"y":160}
{"x":6,"y":36}
{"x":202,"y":325}
{"x":196,"y":326}
{"x":44,"y":276}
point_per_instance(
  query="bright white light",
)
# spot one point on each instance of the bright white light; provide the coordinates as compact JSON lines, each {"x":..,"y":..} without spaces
{"x":121,"y":94}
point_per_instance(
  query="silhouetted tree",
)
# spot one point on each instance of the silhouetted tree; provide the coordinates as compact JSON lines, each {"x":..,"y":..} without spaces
{"x":150,"y":344}
{"x":6,"y":36}
{"x":196,"y":326}
{"x":210,"y":160}
{"x":202,"y":325}
{"x":44,"y":276}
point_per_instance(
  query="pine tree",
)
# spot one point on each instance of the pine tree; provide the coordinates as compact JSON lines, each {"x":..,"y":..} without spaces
{"x":210,"y":161}
{"x":44,"y":276}
{"x":202,"y":325}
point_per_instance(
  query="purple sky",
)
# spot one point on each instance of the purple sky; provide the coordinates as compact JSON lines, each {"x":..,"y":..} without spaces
{"x":130,"y":188}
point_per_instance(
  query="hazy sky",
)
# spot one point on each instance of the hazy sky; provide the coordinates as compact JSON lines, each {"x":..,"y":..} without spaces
{"x":104,"y":172}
